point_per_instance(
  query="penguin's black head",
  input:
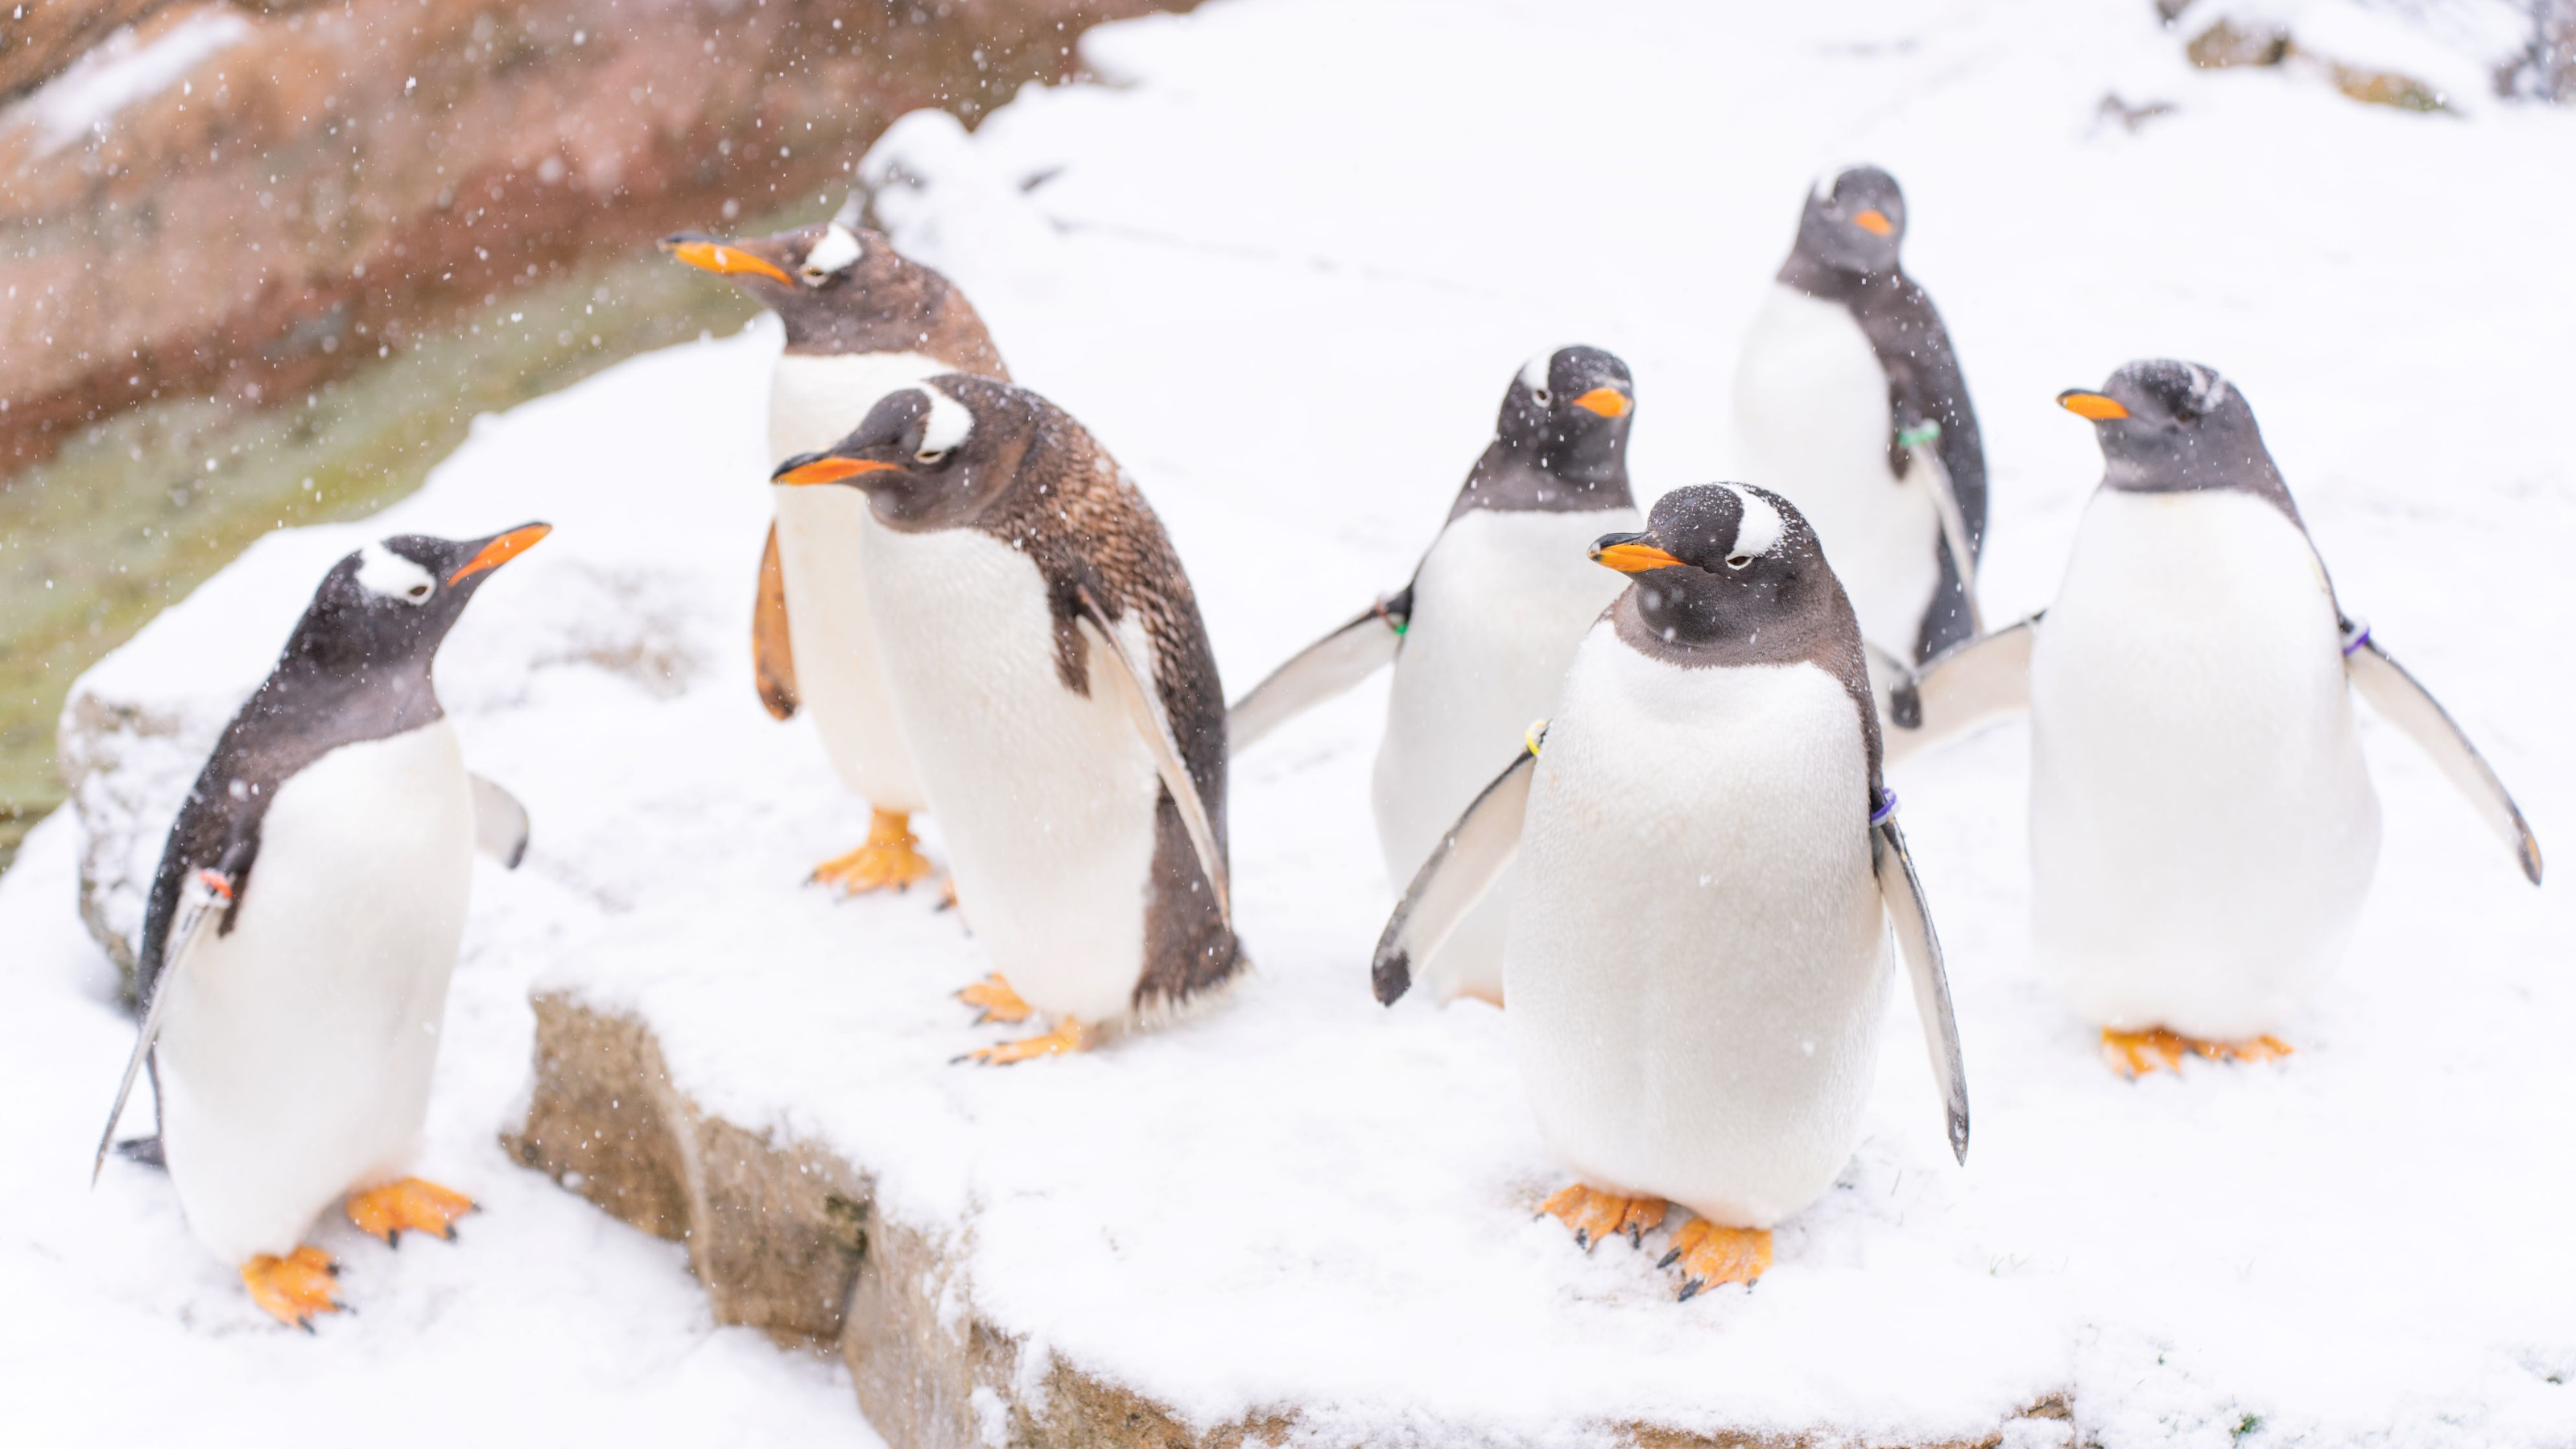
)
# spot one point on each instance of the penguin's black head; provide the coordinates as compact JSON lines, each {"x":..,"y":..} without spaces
{"x":1855,"y":223}
{"x":387,"y":606}
{"x":832,"y":277}
{"x":925,"y":455}
{"x":1571,"y":408}
{"x":1718,"y":560}
{"x":2169,"y":426}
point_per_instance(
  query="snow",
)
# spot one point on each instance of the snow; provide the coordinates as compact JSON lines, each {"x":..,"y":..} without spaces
{"x":121,"y":70}
{"x":1283,"y":264}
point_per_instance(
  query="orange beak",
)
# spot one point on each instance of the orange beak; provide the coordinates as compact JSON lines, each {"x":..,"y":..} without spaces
{"x":1875,"y":222}
{"x":1628,"y":555}
{"x":1609,"y":402}
{"x":709,"y":255}
{"x":501,"y":550}
{"x":828,"y":469}
{"x":2091,"y":405}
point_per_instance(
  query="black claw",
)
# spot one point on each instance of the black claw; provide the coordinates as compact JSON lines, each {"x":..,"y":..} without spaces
{"x":450,"y":1234}
{"x":1689,"y":1289}
{"x":1669,"y":1259}
{"x":307,"y":1325}
{"x":393,"y":1237}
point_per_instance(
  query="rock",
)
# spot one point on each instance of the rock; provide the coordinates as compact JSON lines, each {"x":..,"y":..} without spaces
{"x":264,"y":197}
{"x":785,"y":1237}
{"x":2228,"y":43}
{"x":775,"y":1230}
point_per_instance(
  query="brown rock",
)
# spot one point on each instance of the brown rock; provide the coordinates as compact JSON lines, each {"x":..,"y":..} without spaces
{"x":2226,"y":44}
{"x":340,"y":178}
{"x":785,"y":1236}
{"x":775,"y":1230}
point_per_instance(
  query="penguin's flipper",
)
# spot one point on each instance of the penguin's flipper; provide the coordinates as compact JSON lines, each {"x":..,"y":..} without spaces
{"x":2403,"y":702}
{"x":1134,"y":689}
{"x":773,"y":661}
{"x":1961,"y":688}
{"x":500,"y":823}
{"x":1465,"y":865}
{"x":200,"y":906}
{"x":1892,"y":683}
{"x":1903,"y":894}
{"x":1954,"y":526}
{"x":1326,"y":668}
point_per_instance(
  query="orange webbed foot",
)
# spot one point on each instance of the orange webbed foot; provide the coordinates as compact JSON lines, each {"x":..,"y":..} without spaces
{"x":1595,"y":1215}
{"x":295,"y":1287}
{"x":891,"y":858}
{"x":413,"y":1203}
{"x":1068,"y":1036}
{"x":1711,"y":1255}
{"x":2133,"y":1054}
{"x":994,"y":1000}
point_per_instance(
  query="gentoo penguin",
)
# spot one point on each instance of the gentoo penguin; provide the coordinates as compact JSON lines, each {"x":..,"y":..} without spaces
{"x":1050,"y":668}
{"x":1849,"y":399}
{"x":2202,"y":823}
{"x":1481,"y":637}
{"x":1697,"y":961}
{"x":301,"y":928}
{"x":861,"y":319}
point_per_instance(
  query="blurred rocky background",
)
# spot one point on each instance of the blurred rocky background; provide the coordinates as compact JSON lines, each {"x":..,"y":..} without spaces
{"x":262,"y":261}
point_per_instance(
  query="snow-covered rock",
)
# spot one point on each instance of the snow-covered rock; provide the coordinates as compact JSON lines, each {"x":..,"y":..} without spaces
{"x":1297,"y":1216}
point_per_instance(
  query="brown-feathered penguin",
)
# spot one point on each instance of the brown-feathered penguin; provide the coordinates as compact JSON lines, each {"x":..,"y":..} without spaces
{"x":1849,"y":399}
{"x":1709,"y":864}
{"x":301,"y":927}
{"x":1050,"y":667}
{"x":1480,"y":638}
{"x":861,"y":319}
{"x":2202,"y":823}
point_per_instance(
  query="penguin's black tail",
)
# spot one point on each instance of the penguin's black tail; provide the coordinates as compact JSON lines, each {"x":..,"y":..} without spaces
{"x":146,"y":1150}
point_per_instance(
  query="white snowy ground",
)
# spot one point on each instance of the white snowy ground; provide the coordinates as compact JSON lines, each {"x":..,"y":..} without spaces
{"x":1283,"y":263}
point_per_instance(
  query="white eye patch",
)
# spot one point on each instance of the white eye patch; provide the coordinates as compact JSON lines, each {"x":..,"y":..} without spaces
{"x":1534,"y":371}
{"x":948,"y":424}
{"x":835,"y":252}
{"x":2208,"y":389}
{"x":1762,"y":528}
{"x":383,"y":572}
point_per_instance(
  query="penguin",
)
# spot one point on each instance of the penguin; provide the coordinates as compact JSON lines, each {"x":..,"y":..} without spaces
{"x":1709,"y":864}
{"x":1052,"y":672}
{"x":1849,"y":399}
{"x":2202,"y":822}
{"x":1480,"y":638}
{"x":303,"y":922}
{"x":861,"y":319}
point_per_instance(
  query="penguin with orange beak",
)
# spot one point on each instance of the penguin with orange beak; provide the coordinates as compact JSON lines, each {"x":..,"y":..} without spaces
{"x":1849,"y":399}
{"x":1480,"y":638}
{"x":862,"y":320}
{"x":302,"y":925}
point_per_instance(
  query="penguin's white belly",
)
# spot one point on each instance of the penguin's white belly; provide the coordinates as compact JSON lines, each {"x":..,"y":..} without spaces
{"x":1811,"y":417}
{"x":1046,"y":798}
{"x":2203,"y":827}
{"x":1697,"y":966}
{"x":1499,"y":606}
{"x":815,"y":402}
{"x":296,"y":1053}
